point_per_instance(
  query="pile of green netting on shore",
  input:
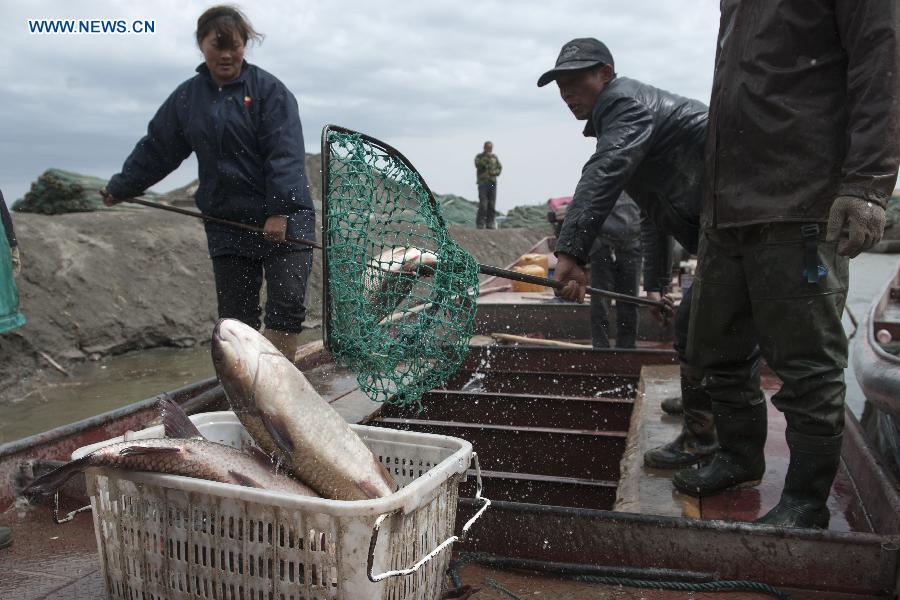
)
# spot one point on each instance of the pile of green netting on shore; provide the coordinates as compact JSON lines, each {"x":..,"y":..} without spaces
{"x":457,"y":211}
{"x":531,"y":216}
{"x":56,"y":192}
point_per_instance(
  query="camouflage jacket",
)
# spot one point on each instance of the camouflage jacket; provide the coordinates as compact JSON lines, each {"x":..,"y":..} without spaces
{"x":487,"y":167}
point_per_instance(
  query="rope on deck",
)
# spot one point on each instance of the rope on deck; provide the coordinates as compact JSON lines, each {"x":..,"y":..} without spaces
{"x":676,"y":586}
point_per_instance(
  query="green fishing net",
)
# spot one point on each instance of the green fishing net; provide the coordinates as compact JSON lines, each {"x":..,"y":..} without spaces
{"x":399,"y":291}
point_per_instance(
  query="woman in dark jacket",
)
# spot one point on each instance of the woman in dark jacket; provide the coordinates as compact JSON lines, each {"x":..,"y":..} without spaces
{"x":244,"y":126}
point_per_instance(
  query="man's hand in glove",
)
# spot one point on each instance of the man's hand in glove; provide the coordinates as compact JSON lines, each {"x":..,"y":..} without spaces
{"x":864,"y":219}
{"x":16,"y":261}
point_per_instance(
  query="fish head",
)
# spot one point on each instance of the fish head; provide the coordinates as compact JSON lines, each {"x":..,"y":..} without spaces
{"x":256,"y":377}
{"x":244,"y":360}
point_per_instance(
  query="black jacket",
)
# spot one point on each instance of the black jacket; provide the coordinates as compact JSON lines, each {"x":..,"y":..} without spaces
{"x":622,"y":228}
{"x":804,"y":109}
{"x":649,"y":143}
{"x":7,"y":223}
{"x":249,"y":145}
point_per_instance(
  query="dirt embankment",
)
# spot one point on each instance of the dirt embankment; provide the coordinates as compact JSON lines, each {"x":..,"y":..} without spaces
{"x":102,"y":283}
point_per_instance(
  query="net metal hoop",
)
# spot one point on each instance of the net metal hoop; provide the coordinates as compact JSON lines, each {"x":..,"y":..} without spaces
{"x":399,"y":292}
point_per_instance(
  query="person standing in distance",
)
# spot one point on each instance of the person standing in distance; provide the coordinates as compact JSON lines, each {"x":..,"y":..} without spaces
{"x":487,"y":169}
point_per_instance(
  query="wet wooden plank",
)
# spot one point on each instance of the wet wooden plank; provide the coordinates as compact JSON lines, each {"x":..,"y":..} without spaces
{"x":519,"y":409}
{"x":533,"y":450}
{"x":643,"y":490}
{"x":542,"y":489}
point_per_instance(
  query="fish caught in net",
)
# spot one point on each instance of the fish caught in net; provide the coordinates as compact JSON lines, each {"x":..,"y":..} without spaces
{"x":399,"y":291}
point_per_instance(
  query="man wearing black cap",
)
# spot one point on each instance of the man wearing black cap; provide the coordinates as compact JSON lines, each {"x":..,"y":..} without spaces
{"x":649,"y":144}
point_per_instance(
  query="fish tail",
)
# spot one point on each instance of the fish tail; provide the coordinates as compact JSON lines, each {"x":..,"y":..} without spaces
{"x":52,"y":481}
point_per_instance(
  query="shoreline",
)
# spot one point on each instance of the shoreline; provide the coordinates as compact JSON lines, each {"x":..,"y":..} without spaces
{"x":101,"y":284}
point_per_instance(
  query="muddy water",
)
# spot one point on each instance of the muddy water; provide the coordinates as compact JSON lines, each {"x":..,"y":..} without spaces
{"x":96,"y":387}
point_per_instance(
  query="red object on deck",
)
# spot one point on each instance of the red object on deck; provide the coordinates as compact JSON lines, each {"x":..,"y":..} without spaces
{"x":556,"y":203}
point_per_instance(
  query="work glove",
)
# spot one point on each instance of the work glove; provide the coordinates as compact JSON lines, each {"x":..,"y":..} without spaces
{"x":864,"y":219}
{"x":16,"y":261}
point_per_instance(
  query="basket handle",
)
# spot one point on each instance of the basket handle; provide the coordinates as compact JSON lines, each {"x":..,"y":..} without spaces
{"x":374,"y":541}
{"x":69,"y":517}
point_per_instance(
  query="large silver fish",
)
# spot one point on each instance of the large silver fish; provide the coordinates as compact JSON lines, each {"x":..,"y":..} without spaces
{"x":183,"y":452}
{"x":289,"y":419}
{"x":390,"y":278}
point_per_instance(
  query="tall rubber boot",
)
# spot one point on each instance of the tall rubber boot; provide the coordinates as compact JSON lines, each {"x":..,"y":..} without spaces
{"x":286,"y":342}
{"x":814,"y":463}
{"x":672,"y":405}
{"x":697,"y":440}
{"x":739,"y":462}
{"x":5,"y":537}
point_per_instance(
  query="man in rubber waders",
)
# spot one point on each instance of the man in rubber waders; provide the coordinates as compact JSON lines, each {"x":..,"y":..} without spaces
{"x":649,"y":144}
{"x":803,"y":145}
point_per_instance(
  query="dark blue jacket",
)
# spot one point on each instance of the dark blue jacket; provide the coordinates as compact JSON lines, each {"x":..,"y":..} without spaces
{"x":249,"y":145}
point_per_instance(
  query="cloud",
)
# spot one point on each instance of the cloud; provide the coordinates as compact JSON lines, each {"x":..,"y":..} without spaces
{"x":434,"y":79}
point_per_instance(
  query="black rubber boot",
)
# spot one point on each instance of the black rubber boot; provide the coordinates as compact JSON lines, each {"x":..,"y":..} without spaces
{"x":739,"y":462}
{"x":683,"y":451}
{"x":5,"y":537}
{"x":814,"y":463}
{"x":697,"y":440}
{"x":672,"y":405}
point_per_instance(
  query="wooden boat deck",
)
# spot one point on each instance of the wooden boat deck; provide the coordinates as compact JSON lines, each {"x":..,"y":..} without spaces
{"x":649,"y":491}
{"x":551,"y":426}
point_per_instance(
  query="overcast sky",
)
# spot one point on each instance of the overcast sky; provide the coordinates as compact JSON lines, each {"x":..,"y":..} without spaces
{"x":435,"y":79}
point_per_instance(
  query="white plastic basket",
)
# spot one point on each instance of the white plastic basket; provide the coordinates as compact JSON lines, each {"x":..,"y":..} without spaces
{"x":171,"y":537}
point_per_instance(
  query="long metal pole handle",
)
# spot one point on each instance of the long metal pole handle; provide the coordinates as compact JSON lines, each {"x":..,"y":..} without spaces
{"x":453,"y":538}
{"x":485,"y":269}
{"x":558,"y":285}
{"x":234,"y":224}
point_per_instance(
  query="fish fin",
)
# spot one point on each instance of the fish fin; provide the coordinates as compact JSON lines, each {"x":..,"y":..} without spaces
{"x":52,"y":481}
{"x":175,"y":421}
{"x":369,"y":489}
{"x":241,"y":479}
{"x":277,"y":428}
{"x":141,"y":450}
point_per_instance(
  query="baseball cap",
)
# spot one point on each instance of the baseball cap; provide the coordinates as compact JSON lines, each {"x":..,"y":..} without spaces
{"x":580,"y":53}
